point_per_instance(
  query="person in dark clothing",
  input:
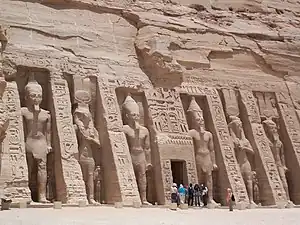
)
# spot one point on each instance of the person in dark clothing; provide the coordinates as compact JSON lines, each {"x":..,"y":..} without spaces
{"x":197,"y":194}
{"x":191,"y":195}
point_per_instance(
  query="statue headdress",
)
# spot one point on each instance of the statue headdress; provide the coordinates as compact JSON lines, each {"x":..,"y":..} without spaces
{"x":130,"y":105}
{"x":32,"y":84}
{"x":269,"y":122}
{"x":194,"y":107}
{"x":83,"y":94}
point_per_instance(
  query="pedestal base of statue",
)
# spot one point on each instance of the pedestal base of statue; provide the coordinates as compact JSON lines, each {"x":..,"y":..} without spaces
{"x":22,"y":205}
{"x":290,"y":205}
{"x":241,"y":206}
{"x":118,"y":205}
{"x":82,"y":203}
{"x":184,"y":206}
{"x":173,"y":206}
{"x":252,"y":206}
{"x":5,"y":204}
{"x":137,"y":205}
{"x":57,"y":205}
{"x":281,"y":204}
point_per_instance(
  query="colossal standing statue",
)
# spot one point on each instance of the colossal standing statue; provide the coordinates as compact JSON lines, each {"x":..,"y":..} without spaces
{"x":242,"y":146}
{"x":88,"y":138}
{"x":37,"y":129}
{"x":278,"y":152}
{"x":204,"y":148}
{"x":139,"y":145}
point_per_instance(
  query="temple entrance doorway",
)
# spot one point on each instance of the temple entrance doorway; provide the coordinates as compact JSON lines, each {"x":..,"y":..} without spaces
{"x":179,"y":172}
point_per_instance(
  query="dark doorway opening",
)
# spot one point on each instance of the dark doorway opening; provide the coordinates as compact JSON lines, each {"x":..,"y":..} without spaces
{"x":179,"y":172}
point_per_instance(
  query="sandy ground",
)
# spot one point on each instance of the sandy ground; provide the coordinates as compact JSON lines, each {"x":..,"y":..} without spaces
{"x":148,"y":216}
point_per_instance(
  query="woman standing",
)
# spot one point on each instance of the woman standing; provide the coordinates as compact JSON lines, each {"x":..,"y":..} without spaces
{"x":230,"y":199}
{"x":181,"y":192}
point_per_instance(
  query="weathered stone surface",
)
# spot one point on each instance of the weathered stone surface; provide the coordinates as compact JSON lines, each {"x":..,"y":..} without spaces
{"x":162,"y":52}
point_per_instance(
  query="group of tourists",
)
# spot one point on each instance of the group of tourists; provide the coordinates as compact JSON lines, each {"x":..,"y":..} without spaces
{"x":193,"y":195}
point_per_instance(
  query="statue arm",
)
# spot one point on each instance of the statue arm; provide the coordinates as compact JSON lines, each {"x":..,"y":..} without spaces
{"x":282,"y":156}
{"x":147,"y":148}
{"x":212,"y":149}
{"x":48,"y":131}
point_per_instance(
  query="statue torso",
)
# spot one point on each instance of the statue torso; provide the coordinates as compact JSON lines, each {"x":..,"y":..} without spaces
{"x":136,"y":138}
{"x":36,"y":141}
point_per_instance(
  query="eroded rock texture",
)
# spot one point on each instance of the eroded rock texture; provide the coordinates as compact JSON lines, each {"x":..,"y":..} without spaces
{"x":162,"y":52}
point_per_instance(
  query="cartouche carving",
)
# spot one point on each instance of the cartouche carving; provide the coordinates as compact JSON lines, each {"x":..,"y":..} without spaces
{"x":204,"y":147}
{"x":278,"y":152}
{"x":37,"y":129}
{"x":242,"y":147}
{"x":88,"y":137}
{"x":139,"y":145}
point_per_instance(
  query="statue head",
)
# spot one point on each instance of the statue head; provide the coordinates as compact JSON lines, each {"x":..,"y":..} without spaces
{"x":33,"y":93}
{"x":131,"y":109}
{"x":271,"y":126}
{"x":196,"y":114}
{"x":237,"y":121}
{"x":82,"y":111}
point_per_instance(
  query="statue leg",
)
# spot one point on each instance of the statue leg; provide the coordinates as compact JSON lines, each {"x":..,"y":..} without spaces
{"x":32,"y":182}
{"x":249,"y":184}
{"x":90,"y":181}
{"x":209,"y":183}
{"x":42,"y":179}
{"x":140,"y":174}
{"x":284,"y":182}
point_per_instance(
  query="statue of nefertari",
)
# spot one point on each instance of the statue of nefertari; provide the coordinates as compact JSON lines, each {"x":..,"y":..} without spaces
{"x":37,"y":129}
{"x":204,"y":148}
{"x":278,"y":152}
{"x":87,"y":137}
{"x":138,"y":140}
{"x":242,"y":146}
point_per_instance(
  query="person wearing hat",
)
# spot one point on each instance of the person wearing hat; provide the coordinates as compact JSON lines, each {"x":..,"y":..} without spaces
{"x":174,"y":193}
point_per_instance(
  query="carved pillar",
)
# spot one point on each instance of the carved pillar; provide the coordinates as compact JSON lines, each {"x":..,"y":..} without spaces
{"x":290,"y":129}
{"x":231,"y":175}
{"x":270,"y":185}
{"x":13,"y":160}
{"x":69,"y":183}
{"x":120,"y":182}
{"x":169,"y":129}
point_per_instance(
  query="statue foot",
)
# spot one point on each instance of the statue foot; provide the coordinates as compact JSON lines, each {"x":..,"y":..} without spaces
{"x":44,"y":200}
{"x":253,"y":204}
{"x":290,"y":204}
{"x":146,"y":203}
{"x":93,"y":202}
{"x":214,"y":204}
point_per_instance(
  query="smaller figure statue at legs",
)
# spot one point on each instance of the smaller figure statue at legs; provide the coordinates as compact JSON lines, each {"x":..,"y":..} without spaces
{"x":37,"y":127}
{"x":204,"y":148}
{"x":242,"y":147}
{"x":256,"y":197}
{"x":87,"y":137}
{"x":139,"y":146}
{"x":278,"y":153}
{"x":98,"y":183}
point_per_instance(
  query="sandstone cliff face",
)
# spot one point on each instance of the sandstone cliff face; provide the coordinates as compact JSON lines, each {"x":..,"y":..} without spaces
{"x":160,"y":38}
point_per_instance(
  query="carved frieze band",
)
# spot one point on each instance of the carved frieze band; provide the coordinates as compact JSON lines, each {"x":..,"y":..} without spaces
{"x":263,"y":151}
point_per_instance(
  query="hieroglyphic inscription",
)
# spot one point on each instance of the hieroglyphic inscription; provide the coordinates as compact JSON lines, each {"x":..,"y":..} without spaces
{"x":268,"y":173}
{"x":291,"y":129}
{"x":13,"y":158}
{"x":166,"y":111}
{"x":224,"y":149}
{"x":167,"y":178}
{"x":74,"y":185}
{"x":117,"y":140}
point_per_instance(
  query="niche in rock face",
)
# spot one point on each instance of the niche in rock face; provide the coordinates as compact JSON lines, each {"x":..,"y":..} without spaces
{"x":203,"y":104}
{"x":41,"y":179}
{"x":143,"y":120}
